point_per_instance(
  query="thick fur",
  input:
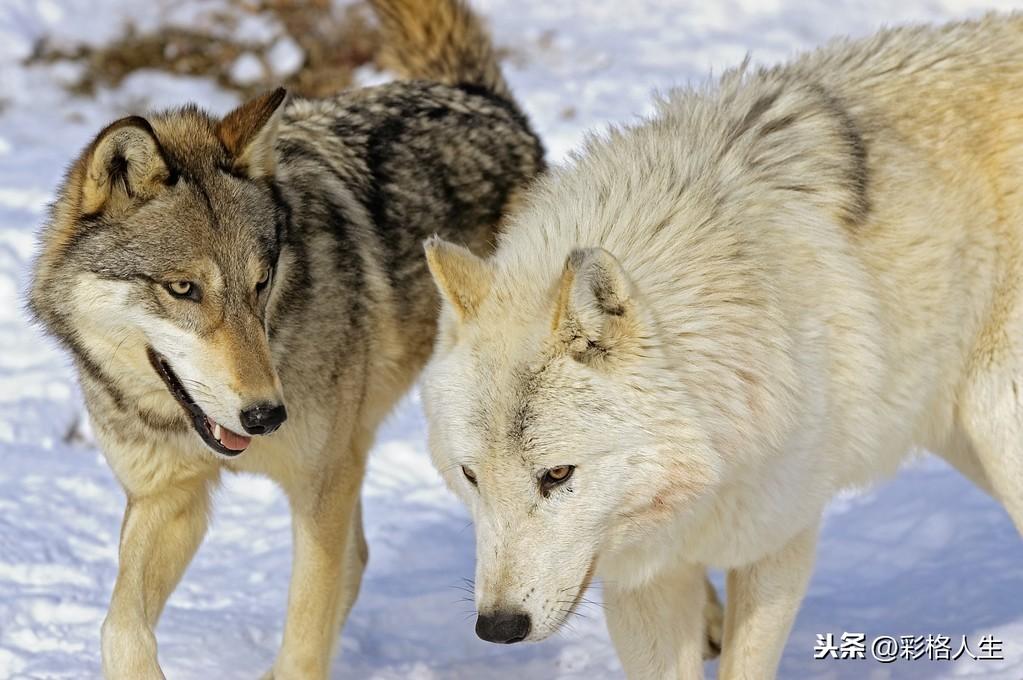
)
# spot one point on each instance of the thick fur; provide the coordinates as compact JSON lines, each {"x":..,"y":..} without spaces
{"x":465,"y":55}
{"x":774,"y":289}
{"x":331,"y":200}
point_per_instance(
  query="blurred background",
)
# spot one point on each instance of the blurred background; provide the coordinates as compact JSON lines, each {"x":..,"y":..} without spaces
{"x":923,"y":554}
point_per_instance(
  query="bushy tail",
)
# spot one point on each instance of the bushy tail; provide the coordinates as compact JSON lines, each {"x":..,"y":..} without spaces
{"x":438,"y":40}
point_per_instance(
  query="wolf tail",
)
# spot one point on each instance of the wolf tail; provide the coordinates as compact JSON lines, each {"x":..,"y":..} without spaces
{"x":439,"y":40}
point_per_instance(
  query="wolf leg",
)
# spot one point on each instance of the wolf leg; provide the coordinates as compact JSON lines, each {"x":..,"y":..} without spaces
{"x":762,"y":601}
{"x":713,"y":622}
{"x":159,"y":536}
{"x":991,"y":414}
{"x":356,"y":558}
{"x":656,"y":628}
{"x":329,"y":558}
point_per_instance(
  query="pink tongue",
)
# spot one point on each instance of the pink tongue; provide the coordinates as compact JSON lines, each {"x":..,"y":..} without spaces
{"x":233,"y":441}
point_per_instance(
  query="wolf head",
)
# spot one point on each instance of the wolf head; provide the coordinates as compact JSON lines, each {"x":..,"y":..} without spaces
{"x":157,"y":266}
{"x":544,"y":420}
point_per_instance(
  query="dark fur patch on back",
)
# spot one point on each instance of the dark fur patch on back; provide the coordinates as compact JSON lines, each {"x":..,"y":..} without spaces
{"x":857,"y":171}
{"x":777,"y":125}
{"x":441,"y":161}
{"x":515,"y":112}
{"x":761,"y":106}
{"x":810,"y":100}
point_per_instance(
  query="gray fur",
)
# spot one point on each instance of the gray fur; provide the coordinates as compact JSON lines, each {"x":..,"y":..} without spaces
{"x":293,"y":235}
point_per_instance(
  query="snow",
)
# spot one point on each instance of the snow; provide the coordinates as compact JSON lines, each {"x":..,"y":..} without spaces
{"x":247,"y":69}
{"x":923,"y":554}
{"x":285,"y":57}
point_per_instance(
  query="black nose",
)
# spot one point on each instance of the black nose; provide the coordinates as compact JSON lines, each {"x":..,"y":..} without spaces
{"x":263,"y":418}
{"x":503,"y":627}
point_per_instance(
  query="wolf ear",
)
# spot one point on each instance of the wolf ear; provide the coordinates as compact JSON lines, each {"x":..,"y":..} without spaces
{"x":594,"y":311}
{"x":124,"y":163}
{"x":250,"y":132}
{"x":463,"y":278}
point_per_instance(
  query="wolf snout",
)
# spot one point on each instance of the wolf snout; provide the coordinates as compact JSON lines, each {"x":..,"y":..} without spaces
{"x":263,"y":418}
{"x":503,"y":627}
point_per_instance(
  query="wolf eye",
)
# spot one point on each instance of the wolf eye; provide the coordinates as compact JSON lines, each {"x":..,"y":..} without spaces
{"x":555,"y":476}
{"x":264,"y":279}
{"x":470,"y":475}
{"x":183,"y":289}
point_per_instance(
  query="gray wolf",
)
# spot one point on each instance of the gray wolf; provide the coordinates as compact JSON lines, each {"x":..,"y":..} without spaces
{"x":689,"y":339}
{"x":248,"y":293}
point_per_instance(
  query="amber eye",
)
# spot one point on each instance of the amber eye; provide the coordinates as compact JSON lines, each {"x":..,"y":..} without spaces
{"x":183,"y":289}
{"x":555,"y":476}
{"x":264,"y":279}
{"x":469,"y":474}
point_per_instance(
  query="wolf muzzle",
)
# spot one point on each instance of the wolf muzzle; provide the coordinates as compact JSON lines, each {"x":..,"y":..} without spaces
{"x":262,"y":418}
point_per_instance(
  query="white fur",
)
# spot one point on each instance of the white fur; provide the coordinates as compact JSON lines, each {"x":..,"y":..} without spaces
{"x":778,"y":339}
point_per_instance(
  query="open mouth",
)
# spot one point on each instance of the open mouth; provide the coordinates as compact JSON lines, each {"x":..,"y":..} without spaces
{"x":214,"y":435}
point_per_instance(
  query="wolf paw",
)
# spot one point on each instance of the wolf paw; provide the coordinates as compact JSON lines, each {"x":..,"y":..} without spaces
{"x":714,"y":624}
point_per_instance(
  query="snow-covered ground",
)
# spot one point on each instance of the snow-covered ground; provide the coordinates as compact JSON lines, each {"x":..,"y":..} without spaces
{"x":923,"y":554}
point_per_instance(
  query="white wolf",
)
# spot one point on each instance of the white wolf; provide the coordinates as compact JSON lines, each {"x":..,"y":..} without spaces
{"x":692,"y":337}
